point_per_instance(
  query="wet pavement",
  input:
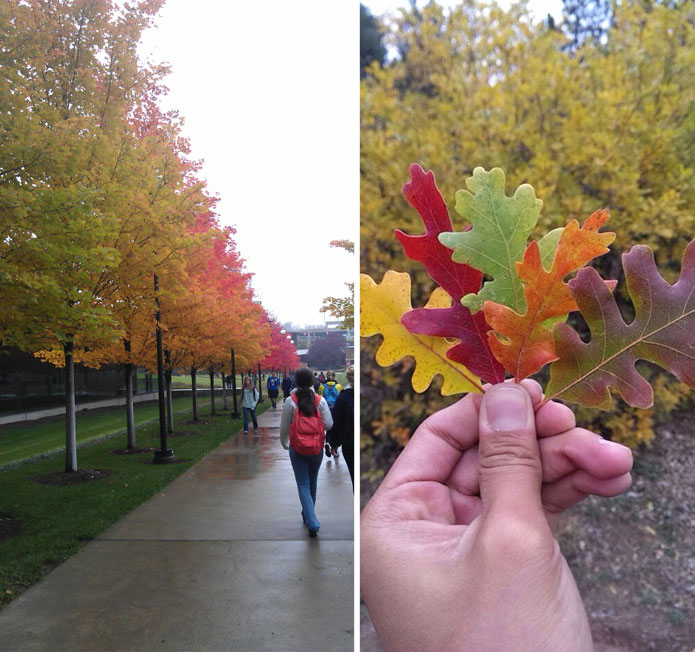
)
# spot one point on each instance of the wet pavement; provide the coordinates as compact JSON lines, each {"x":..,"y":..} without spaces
{"x":219,"y":560}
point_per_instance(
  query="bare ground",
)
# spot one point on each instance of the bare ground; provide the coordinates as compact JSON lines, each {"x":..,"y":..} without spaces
{"x":634,"y":556}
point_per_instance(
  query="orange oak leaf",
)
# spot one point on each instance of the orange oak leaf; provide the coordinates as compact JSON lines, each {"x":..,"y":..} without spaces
{"x":523,"y":343}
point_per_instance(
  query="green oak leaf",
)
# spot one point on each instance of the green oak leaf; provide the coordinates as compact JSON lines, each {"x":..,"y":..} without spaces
{"x":547,"y":246}
{"x":501,"y":227}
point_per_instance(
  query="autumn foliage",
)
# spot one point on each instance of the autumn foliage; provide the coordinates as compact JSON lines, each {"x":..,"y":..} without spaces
{"x":282,"y":354}
{"x":606,"y":127}
{"x":99,"y":194}
{"x":530,"y":299}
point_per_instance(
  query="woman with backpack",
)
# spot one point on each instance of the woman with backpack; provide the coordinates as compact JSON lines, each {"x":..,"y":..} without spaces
{"x":273,"y":384}
{"x":249,"y":400}
{"x":305,"y":419}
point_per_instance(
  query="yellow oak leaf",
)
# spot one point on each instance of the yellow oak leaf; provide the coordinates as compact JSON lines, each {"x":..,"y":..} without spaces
{"x":381,"y":308}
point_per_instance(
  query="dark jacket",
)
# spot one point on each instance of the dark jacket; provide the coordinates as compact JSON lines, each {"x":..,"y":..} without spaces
{"x":343,"y":431}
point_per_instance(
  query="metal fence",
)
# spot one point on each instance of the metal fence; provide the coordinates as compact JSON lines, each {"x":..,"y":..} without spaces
{"x":27,"y":383}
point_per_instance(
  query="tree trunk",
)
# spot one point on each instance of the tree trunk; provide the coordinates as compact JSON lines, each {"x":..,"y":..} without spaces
{"x":234,"y":414}
{"x":193,"y":394}
{"x":212,"y":393}
{"x":260,"y":385}
{"x":70,"y":431}
{"x":130,"y":413}
{"x":224,"y":392}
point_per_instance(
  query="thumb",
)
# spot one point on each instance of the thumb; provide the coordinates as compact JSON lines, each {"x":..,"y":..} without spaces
{"x":510,"y":463}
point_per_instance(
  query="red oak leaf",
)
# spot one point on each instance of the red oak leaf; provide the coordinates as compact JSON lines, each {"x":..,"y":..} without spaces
{"x":457,"y":279}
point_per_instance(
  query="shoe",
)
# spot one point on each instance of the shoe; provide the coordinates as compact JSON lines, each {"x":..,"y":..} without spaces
{"x":246,"y":432}
{"x":313,"y":533}
{"x":328,"y":450}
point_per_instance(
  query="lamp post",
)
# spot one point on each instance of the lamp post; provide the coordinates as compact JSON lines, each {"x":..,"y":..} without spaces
{"x":164,"y":455}
{"x":167,"y":391}
{"x":235,"y":413}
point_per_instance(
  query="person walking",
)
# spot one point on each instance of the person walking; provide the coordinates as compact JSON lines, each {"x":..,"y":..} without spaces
{"x":273,"y":385}
{"x":343,"y":431}
{"x":305,"y":419}
{"x":330,"y":389}
{"x":286,"y":387}
{"x":249,"y":400}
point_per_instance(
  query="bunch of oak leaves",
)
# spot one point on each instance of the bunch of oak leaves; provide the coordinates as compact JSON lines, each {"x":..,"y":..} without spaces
{"x":473,"y":331}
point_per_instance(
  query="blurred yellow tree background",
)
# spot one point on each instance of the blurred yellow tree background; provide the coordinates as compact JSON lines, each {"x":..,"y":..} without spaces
{"x":608,"y":123}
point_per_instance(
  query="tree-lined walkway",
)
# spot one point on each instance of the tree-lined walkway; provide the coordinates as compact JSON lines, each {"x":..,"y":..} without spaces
{"x":219,"y":560}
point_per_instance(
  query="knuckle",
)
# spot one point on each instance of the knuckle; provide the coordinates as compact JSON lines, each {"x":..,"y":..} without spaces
{"x":509,"y":449}
{"x":434,"y":427}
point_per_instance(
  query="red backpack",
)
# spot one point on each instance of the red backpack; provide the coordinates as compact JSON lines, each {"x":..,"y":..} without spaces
{"x":307,"y":433}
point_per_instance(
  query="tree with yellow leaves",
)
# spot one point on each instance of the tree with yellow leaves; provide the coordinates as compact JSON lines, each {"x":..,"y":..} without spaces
{"x":609,"y":127}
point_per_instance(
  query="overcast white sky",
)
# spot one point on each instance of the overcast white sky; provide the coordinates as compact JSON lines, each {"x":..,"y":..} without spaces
{"x":270,"y":95}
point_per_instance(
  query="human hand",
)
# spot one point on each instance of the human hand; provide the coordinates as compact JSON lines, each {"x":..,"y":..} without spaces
{"x":457,"y":551}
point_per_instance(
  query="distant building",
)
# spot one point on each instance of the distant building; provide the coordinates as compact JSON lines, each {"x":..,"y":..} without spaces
{"x":305,"y":337}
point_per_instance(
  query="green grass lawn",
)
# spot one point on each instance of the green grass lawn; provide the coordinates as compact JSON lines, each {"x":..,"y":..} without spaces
{"x":57,"y":520}
{"x":202,"y":381}
{"x":22,"y":441}
{"x":181,"y":381}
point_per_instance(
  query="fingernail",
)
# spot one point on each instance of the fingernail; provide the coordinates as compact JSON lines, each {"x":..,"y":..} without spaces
{"x":506,"y":407}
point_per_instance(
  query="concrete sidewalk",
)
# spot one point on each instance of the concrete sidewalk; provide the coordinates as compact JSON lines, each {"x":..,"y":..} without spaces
{"x":219,"y":560}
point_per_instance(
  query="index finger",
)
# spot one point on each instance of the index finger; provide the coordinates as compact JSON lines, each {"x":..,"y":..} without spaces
{"x":437,"y":445}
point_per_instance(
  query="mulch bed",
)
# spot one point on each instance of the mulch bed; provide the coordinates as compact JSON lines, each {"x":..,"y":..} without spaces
{"x":64,"y":478}
{"x":9,"y":526}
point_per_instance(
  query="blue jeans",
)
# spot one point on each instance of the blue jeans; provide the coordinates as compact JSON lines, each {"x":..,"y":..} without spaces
{"x":306,"y":472}
{"x":252,"y":412}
